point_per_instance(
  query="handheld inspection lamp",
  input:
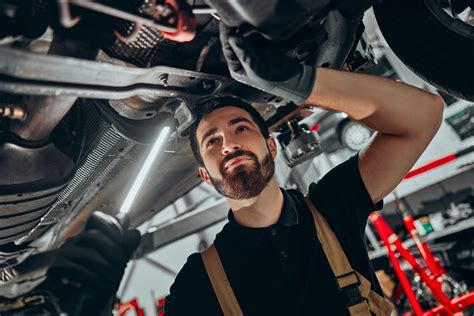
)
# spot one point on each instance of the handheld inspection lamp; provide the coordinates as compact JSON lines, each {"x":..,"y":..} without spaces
{"x":157,"y":148}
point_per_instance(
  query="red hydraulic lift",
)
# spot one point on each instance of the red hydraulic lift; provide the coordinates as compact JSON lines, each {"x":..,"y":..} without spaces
{"x":433,"y":275}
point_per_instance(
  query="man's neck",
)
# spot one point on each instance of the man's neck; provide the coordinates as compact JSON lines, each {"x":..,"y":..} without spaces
{"x":261,"y":211}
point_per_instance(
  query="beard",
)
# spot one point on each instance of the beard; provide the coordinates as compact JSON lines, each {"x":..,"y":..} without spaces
{"x":246,"y":180}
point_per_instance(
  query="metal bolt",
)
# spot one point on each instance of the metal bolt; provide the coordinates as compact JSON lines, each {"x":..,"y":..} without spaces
{"x":207,"y":84}
{"x":163,"y":78}
{"x":13,"y":112}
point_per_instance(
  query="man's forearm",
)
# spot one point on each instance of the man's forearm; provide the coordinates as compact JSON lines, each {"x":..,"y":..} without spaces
{"x":382,"y":104}
{"x":405,"y":118}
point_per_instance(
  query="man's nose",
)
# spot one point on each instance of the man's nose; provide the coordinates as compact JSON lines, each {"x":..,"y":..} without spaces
{"x":229,"y":146}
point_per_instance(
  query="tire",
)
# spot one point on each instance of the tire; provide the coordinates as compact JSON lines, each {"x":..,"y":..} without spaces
{"x":438,"y":49}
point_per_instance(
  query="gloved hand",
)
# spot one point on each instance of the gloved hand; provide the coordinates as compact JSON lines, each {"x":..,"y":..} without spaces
{"x":266,"y":69}
{"x":88,"y":268}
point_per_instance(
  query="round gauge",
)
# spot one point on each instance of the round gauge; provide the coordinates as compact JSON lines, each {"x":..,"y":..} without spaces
{"x":355,"y":136}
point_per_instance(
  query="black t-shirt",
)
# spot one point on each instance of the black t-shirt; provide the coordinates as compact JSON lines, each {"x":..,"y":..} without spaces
{"x":282,"y":269}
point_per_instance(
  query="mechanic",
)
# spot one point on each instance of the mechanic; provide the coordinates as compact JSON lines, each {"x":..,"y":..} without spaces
{"x":273,"y":260}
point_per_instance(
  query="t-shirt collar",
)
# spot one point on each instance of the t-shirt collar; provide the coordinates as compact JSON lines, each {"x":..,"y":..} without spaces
{"x":253,"y":236}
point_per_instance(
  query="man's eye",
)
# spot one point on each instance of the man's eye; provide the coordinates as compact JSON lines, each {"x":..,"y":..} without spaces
{"x":212,"y":141}
{"x":241,"y":129}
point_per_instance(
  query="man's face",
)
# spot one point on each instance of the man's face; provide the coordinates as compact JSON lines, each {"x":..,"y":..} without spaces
{"x":238,"y":160}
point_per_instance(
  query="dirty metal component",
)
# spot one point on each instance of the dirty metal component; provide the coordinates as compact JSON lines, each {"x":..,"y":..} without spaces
{"x":207,"y":85}
{"x":49,"y":75}
{"x":37,"y":303}
{"x":44,"y":113}
{"x":150,"y":48}
{"x":132,"y":36}
{"x":341,"y":37}
{"x":13,"y":258}
{"x":26,"y":276}
{"x":184,"y":20}
{"x":103,"y":154}
{"x":65,"y":16}
{"x":183,"y":115}
{"x":204,"y":52}
{"x":7,"y":274}
{"x":363,"y":58}
{"x":102,"y":160}
{"x":175,"y":13}
{"x":90,"y":92}
{"x":36,"y":167}
{"x":164,"y":79}
{"x":136,"y":108}
{"x":102,"y":8}
{"x":274,"y":19}
{"x":13,"y":112}
{"x":30,"y":182}
{"x":138,"y":131}
{"x":26,"y":18}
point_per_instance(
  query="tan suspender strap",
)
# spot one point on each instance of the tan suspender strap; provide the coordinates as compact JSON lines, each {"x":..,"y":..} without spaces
{"x":379,"y":305}
{"x":341,"y":267}
{"x":343,"y":271}
{"x":333,"y":250}
{"x":220,"y":283}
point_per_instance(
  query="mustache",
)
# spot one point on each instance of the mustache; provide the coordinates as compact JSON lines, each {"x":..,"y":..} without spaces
{"x":235,"y":154}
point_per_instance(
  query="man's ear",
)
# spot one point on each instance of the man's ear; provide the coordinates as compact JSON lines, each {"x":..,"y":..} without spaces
{"x":204,"y":175}
{"x":271,"y":142}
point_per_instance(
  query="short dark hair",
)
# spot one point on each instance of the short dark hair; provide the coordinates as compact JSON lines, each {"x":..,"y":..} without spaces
{"x":206,"y":106}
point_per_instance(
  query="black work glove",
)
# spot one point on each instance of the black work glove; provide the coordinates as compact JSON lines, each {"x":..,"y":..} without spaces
{"x":88,"y":268}
{"x":266,"y":69}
